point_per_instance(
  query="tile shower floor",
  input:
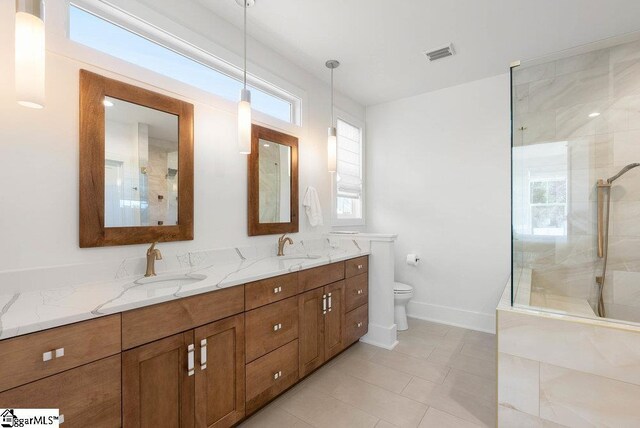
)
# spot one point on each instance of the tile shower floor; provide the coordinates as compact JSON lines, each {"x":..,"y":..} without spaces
{"x":437,"y":376}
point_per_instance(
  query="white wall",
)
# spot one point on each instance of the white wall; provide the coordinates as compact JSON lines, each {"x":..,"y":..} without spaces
{"x":39,"y":148}
{"x":438,"y":175}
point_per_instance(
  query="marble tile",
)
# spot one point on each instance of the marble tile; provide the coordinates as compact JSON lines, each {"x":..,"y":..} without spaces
{"x":518,"y":383}
{"x":580,"y":399}
{"x":606,"y":351}
{"x":626,"y":148}
{"x":595,"y":60}
{"x":470,"y":407}
{"x":435,"y":418}
{"x":567,"y":90}
{"x":510,"y":418}
{"x":625,"y":78}
{"x":539,"y":127}
{"x":624,"y":215}
{"x":414,"y":366}
{"x":274,"y":417}
{"x":312,"y":406}
{"x":384,"y":404}
{"x":530,"y":73}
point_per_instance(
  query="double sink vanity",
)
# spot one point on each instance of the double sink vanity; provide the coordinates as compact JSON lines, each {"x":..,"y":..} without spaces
{"x":207,"y":360}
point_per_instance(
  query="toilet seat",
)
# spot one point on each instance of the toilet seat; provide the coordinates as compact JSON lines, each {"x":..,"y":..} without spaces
{"x":400,"y":288}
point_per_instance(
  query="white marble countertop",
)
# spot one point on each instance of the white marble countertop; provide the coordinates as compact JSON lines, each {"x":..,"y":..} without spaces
{"x":35,"y":310}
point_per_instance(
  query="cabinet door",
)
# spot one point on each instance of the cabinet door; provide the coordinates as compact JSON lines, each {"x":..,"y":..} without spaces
{"x":311,"y":330}
{"x":220,"y":373}
{"x":334,"y":319}
{"x":157,"y":390}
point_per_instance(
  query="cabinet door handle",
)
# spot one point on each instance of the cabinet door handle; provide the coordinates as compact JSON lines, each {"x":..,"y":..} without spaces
{"x":329,"y":302}
{"x":203,"y":354}
{"x":191,"y":359}
{"x":277,"y":327}
{"x":324,"y":303}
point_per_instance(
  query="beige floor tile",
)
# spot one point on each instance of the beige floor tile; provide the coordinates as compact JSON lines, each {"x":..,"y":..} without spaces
{"x":415,"y":346}
{"x":361,"y":350}
{"x":508,"y":417}
{"x":414,"y":366}
{"x":469,"y":407}
{"x":321,"y":410}
{"x":435,"y":418}
{"x":421,"y":326}
{"x":274,"y":417}
{"x":471,"y":384}
{"x":477,"y":366}
{"x":483,"y":352}
{"x":384,"y":404}
{"x":385,"y":424}
{"x":376,"y":374}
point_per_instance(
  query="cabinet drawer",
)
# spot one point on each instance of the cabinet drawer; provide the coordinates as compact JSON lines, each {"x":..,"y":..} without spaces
{"x":270,"y":290}
{"x":357,"y":293}
{"x":155,"y":322}
{"x":270,"y":327}
{"x":87,"y":396}
{"x":357,"y":266}
{"x":319,"y":276}
{"x":356,"y":324}
{"x":37,"y":355}
{"x":268,"y":376}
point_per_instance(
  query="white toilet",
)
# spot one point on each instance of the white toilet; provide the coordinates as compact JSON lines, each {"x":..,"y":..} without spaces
{"x":402,"y":293}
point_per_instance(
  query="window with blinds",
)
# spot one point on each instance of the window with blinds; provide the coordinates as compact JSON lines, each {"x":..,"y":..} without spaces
{"x":348,"y":180}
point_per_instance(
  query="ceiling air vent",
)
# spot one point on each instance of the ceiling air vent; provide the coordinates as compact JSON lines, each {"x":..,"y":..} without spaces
{"x":441,"y":52}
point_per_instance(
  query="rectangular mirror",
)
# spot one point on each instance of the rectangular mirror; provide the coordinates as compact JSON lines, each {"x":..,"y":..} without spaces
{"x":273,"y":182}
{"x":136,"y":164}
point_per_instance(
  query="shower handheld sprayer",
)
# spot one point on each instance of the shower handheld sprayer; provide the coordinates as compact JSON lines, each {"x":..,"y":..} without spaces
{"x":604,"y":189}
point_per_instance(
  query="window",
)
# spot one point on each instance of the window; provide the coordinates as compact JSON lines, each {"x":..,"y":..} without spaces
{"x":548,"y":207}
{"x":100,"y":34}
{"x":348,"y":186}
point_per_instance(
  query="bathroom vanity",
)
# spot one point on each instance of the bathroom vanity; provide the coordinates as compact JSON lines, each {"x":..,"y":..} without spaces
{"x":206,"y":360}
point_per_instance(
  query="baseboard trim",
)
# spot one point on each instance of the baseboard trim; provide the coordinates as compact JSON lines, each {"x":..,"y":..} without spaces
{"x":380,"y":336}
{"x":452,"y":316}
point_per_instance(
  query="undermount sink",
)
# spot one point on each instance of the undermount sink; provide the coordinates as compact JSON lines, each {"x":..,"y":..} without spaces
{"x":299,"y":257}
{"x":172,"y":280}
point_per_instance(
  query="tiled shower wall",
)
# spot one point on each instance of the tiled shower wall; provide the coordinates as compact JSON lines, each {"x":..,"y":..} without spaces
{"x":555,"y":102}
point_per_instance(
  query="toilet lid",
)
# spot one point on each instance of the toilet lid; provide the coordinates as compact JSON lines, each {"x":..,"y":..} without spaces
{"x":401,"y":288}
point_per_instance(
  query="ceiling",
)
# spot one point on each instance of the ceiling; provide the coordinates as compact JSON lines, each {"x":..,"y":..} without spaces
{"x":380,"y":43}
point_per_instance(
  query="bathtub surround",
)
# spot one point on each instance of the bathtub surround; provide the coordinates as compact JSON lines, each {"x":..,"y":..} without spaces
{"x":42,"y":304}
{"x":438,"y":175}
{"x":562,"y":370}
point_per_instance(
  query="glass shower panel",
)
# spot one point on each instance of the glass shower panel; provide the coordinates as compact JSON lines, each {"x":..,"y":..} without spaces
{"x":576,"y":120}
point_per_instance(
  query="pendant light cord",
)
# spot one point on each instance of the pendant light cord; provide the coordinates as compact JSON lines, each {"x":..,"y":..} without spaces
{"x":332,"y":98}
{"x":245,"y":45}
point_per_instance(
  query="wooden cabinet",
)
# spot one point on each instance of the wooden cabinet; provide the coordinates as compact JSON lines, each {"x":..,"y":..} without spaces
{"x":157,"y":388}
{"x":356,"y":266}
{"x":319,"y":276}
{"x":356,"y":324}
{"x":87,"y":396}
{"x":195,"y":378}
{"x":220,"y":374}
{"x":357,"y":291}
{"x":260,"y":293}
{"x":321,"y":325}
{"x":270,"y":327}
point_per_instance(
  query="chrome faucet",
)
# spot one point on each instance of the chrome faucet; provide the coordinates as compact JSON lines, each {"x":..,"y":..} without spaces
{"x":153,"y":254}
{"x":281,"y":242}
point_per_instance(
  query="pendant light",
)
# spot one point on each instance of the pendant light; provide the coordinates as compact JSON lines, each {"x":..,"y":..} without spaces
{"x":29,"y":59}
{"x":332,"y":140}
{"x":244,"y":106}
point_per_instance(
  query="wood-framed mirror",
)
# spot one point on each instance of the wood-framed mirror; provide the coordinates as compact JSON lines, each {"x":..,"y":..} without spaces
{"x":273,"y":182}
{"x":136,"y":164}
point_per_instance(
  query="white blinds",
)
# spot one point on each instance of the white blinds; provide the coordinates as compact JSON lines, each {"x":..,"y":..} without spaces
{"x":349,"y":168}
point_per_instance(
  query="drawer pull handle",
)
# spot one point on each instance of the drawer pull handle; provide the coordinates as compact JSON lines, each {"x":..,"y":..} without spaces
{"x":277,"y":327}
{"x":360,"y":267}
{"x":203,"y":354}
{"x":329,"y":302}
{"x":190,"y":359}
{"x":324,"y":303}
{"x":277,"y":375}
{"x":359,"y":325}
{"x":277,"y":290}
{"x":360,"y":291}
{"x":55,"y":353}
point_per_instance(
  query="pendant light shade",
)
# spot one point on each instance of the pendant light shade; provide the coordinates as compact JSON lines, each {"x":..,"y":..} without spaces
{"x":29,"y":54}
{"x":244,"y":106}
{"x":332,"y":139}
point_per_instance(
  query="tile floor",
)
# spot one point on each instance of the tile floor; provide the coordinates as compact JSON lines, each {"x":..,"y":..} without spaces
{"x":437,"y":376}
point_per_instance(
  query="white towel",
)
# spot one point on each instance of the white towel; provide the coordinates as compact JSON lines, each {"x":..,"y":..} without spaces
{"x":311,"y":204}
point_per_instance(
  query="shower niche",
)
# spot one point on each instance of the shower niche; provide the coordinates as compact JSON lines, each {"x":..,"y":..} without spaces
{"x":575,"y":185}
